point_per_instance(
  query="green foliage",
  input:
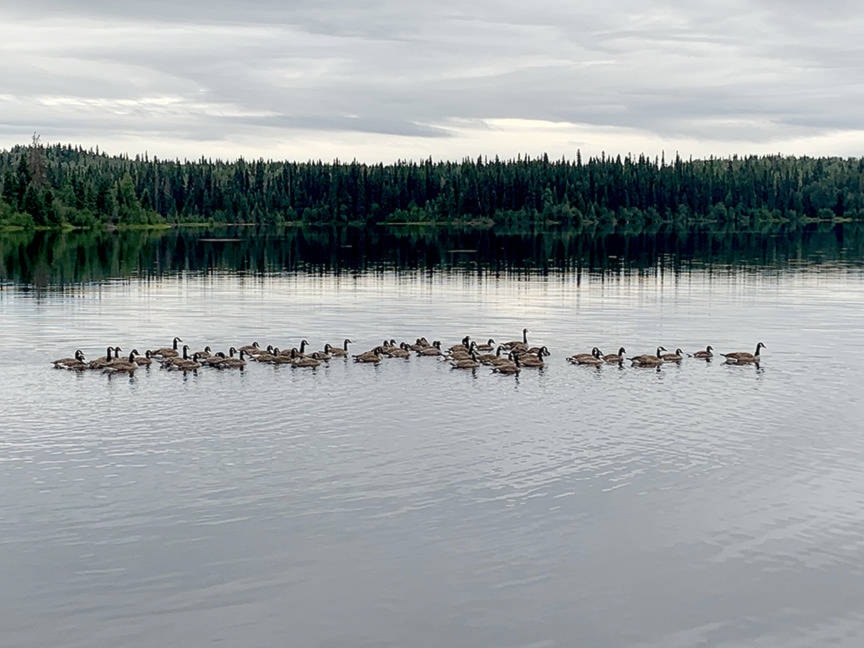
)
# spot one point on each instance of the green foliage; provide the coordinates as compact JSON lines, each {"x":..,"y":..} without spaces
{"x":61,"y":185}
{"x":11,"y":218}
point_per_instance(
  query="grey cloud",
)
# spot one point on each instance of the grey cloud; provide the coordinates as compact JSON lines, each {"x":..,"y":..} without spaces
{"x":359,"y":124}
{"x":751,"y":71}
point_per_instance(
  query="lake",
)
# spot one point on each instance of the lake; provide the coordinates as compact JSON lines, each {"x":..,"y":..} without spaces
{"x":411,"y":504}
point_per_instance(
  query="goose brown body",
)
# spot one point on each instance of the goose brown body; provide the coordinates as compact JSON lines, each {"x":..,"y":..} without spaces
{"x":336,"y":351}
{"x":707,"y":354}
{"x":373,"y":356}
{"x":648,"y":360}
{"x":584,"y":358}
{"x":78,"y":363}
{"x":513,"y":344}
{"x":144,"y":360}
{"x":678,"y":356}
{"x":615,"y":358}
{"x":169,"y":352}
{"x":738,"y":356}
{"x":466,"y":363}
{"x":511,"y":367}
{"x":101,"y":363}
{"x":123,"y":366}
{"x":434,"y":350}
{"x":233,"y":363}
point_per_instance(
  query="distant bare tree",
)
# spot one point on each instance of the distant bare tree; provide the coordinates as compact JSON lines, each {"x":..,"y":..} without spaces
{"x":36,"y":162}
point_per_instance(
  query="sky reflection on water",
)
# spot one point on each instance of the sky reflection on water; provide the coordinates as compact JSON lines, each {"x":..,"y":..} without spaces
{"x":412,"y":504}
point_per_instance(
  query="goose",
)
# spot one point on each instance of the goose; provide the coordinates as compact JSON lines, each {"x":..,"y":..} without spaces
{"x":578,"y":357}
{"x":591,"y":361}
{"x":402,"y":351}
{"x":233,"y":363}
{"x":615,"y":358}
{"x":530,"y":360}
{"x":101,"y":363}
{"x":251,"y":349}
{"x":185,"y":363}
{"x":265,"y":356}
{"x":746,"y":360}
{"x":463,"y":346}
{"x":294,"y":352}
{"x":510,"y":358}
{"x":373,"y":356}
{"x":461,"y":353}
{"x":122,"y":366}
{"x":707,"y":354}
{"x":115,"y":358}
{"x":146,"y":360}
{"x":434,"y":350}
{"x":488,"y":346}
{"x":509,"y":368}
{"x":77,"y":363}
{"x":215,"y":360}
{"x":337,"y":352}
{"x":168,"y":363}
{"x":260,"y":352}
{"x":491,"y":358}
{"x":647,"y":359}
{"x":281,"y":357}
{"x":298,"y":353}
{"x":420,"y":344}
{"x":537,"y":351}
{"x":466,"y":363}
{"x":678,"y":356}
{"x":306,"y":361}
{"x":514,"y":344}
{"x":206,"y":353}
{"x":219,"y":357}
{"x":743,"y":355}
{"x":168,"y":352}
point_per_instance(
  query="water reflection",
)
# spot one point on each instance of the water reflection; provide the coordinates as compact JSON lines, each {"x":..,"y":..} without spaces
{"x":43,"y":259}
{"x":417,"y":505}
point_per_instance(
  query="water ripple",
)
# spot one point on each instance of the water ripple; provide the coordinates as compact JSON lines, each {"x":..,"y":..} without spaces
{"x":424,"y":506}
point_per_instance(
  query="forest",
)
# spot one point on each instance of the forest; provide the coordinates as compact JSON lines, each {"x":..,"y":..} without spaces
{"x":64,"y":186}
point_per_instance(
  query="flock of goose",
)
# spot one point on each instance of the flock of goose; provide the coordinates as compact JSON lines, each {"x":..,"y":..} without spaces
{"x":507,"y":358}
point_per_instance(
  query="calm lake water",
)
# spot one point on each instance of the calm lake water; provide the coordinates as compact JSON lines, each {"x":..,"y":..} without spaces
{"x":409,"y":504}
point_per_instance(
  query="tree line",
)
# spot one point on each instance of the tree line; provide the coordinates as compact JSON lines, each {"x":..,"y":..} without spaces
{"x":62,"y":185}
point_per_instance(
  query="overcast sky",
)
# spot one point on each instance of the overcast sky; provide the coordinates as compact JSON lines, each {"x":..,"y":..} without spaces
{"x":378,"y":80}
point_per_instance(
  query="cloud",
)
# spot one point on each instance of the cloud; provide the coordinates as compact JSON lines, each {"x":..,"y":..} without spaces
{"x":399,"y":79}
